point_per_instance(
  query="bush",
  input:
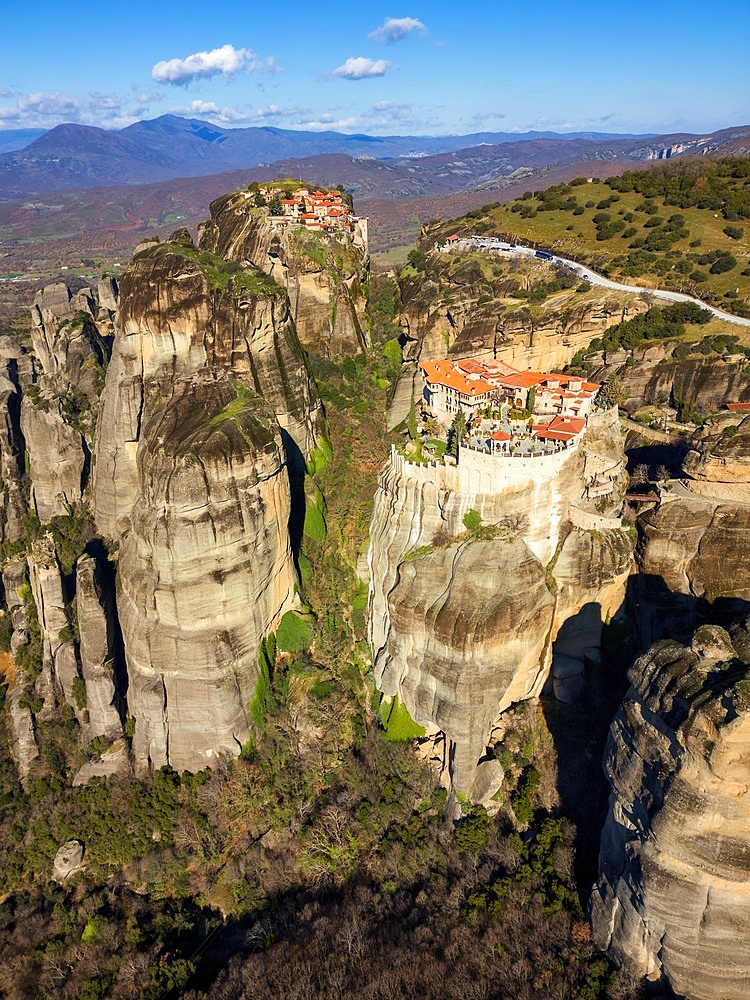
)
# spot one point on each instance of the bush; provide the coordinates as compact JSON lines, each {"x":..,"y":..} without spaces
{"x":472,"y":520}
{"x":473,"y":831}
{"x":724,"y":262}
{"x":734,"y":232}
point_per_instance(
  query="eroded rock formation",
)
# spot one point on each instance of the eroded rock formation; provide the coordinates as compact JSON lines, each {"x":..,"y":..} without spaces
{"x":324,"y":274}
{"x":673,"y":895}
{"x":462,"y":627}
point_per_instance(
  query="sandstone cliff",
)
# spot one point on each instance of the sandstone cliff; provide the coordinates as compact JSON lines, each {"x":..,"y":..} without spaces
{"x":323,"y":273}
{"x":208,"y":417}
{"x":693,"y":550}
{"x":656,"y":375}
{"x":673,"y":895}
{"x":206,"y":570}
{"x":182,"y":311}
{"x":462,"y":626}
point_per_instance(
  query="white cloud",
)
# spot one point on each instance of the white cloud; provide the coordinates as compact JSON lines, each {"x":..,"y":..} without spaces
{"x":327,"y":123}
{"x":224,"y":61}
{"x":45,"y":110}
{"x":394,"y":29}
{"x":360,"y":68}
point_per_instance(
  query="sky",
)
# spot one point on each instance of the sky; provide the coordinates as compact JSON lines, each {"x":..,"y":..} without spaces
{"x":386,"y":69}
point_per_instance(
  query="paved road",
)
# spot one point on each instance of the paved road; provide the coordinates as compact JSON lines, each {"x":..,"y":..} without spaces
{"x":599,"y":279}
{"x":658,"y":293}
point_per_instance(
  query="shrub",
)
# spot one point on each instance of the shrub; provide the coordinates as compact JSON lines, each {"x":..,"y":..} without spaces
{"x":734,"y":232}
{"x":472,"y":520}
{"x":473,"y":831}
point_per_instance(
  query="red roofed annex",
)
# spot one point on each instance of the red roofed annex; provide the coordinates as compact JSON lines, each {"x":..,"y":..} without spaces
{"x":471,"y":386}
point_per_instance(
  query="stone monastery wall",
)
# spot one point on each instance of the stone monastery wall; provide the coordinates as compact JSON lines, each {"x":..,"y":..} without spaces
{"x":477,"y":472}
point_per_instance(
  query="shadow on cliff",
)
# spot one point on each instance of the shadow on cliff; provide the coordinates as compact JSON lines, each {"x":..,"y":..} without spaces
{"x":295,"y":463}
{"x":654,"y":455}
{"x":107,"y":575}
{"x":649,"y":613}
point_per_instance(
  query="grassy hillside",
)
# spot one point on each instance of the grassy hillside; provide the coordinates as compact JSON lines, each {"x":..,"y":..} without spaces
{"x":684,"y":226}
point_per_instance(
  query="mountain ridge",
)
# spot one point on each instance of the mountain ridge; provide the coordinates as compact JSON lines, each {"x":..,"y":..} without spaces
{"x":71,"y":156}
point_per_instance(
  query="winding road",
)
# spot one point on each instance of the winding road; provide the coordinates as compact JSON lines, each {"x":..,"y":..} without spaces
{"x":599,"y":279}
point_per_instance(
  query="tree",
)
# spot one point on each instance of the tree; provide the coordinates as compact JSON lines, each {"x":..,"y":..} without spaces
{"x":613,"y":392}
{"x":275,"y":207}
{"x":663,"y":474}
{"x":531,"y":400}
{"x":640,"y":475}
{"x":411,"y":423}
{"x":734,"y":232}
{"x":457,"y":433}
{"x":417,"y":259}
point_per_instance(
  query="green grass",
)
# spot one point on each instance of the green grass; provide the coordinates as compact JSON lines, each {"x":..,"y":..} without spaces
{"x":398,"y":725}
{"x":671,"y":266}
{"x":315,"y":522}
{"x":294,"y":633}
{"x":234,"y":409}
{"x":219,"y":273}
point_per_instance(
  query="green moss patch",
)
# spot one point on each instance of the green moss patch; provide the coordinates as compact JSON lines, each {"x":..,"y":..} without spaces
{"x":219,"y":273}
{"x":294,"y":633}
{"x":398,"y":725}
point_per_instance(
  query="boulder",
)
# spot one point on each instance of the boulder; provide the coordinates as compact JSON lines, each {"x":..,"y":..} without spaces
{"x":68,"y":860}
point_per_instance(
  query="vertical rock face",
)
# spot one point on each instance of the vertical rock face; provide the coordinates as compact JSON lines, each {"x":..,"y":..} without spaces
{"x":12,"y":446}
{"x":694,"y":552}
{"x":673,"y":895}
{"x":60,"y":667}
{"x":207,"y":413}
{"x":97,"y":648}
{"x":324,"y":274}
{"x":57,"y":458}
{"x":182,"y":311}
{"x":460,"y":626}
{"x":58,"y":410}
{"x":205,"y":570}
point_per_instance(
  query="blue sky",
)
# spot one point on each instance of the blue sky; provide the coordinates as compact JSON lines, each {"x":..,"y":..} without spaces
{"x":411,"y":68}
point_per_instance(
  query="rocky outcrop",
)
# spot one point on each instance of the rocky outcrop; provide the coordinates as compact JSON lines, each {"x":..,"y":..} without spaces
{"x":323,"y":273}
{"x":15,"y":366}
{"x":722,"y":455}
{"x":206,"y":570}
{"x":208,"y":417}
{"x":673,"y":895}
{"x":57,"y":458}
{"x":656,"y":375}
{"x":68,"y":860}
{"x":59,"y":663}
{"x":446,"y":603}
{"x":96,"y":627}
{"x":183,"y":311}
{"x":693,"y":550}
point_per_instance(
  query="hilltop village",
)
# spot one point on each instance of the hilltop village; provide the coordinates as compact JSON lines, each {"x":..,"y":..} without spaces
{"x":321,"y":211}
{"x":507,"y":412}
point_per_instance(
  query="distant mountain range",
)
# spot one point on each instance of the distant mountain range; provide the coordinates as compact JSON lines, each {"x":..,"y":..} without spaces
{"x":76,"y":189}
{"x":79,"y":156}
